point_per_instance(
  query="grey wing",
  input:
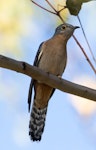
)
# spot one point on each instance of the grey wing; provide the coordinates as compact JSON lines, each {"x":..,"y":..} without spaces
{"x":36,"y":62}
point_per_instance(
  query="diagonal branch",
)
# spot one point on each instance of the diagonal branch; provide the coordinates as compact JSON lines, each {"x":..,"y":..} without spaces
{"x":56,"y":11}
{"x":43,"y":7}
{"x":87,"y":58}
{"x":86,"y":40}
{"x":49,"y":79}
{"x":51,"y":5}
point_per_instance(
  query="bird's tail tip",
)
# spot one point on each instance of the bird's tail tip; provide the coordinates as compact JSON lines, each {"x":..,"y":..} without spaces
{"x":37,"y":123}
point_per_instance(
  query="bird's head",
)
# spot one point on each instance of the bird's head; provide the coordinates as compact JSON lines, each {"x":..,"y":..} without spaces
{"x":66,"y":30}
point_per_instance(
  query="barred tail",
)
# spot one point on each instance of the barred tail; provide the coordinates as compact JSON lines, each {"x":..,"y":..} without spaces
{"x":37,"y":123}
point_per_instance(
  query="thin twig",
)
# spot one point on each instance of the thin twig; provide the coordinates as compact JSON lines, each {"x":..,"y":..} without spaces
{"x":85,"y":54}
{"x":60,"y":17}
{"x":51,"y":6}
{"x":56,"y":12}
{"x":86,"y":39}
{"x":43,"y":7}
{"x":62,"y":9}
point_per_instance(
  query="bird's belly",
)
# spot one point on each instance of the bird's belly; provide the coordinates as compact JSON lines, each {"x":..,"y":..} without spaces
{"x":55,"y":64}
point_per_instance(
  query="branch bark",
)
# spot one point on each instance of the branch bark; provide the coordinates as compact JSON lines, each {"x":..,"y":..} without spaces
{"x":46,"y":78}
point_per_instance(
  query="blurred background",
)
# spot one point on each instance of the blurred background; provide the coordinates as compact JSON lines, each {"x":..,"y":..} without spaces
{"x":71,"y":120}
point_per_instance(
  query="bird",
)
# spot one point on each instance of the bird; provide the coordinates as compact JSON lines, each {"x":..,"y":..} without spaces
{"x":51,"y":57}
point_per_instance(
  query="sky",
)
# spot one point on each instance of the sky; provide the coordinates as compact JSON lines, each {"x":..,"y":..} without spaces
{"x":71,"y":120}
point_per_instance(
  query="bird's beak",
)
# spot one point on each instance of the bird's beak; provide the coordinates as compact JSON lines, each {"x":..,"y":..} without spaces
{"x":76,"y":27}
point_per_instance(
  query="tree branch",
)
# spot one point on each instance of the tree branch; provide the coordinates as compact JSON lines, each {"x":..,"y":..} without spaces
{"x":49,"y":79}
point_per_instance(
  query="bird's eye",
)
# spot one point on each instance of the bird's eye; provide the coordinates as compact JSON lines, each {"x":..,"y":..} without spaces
{"x":63,"y":27}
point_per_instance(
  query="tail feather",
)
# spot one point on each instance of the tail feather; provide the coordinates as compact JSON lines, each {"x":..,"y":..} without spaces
{"x":37,"y":123}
